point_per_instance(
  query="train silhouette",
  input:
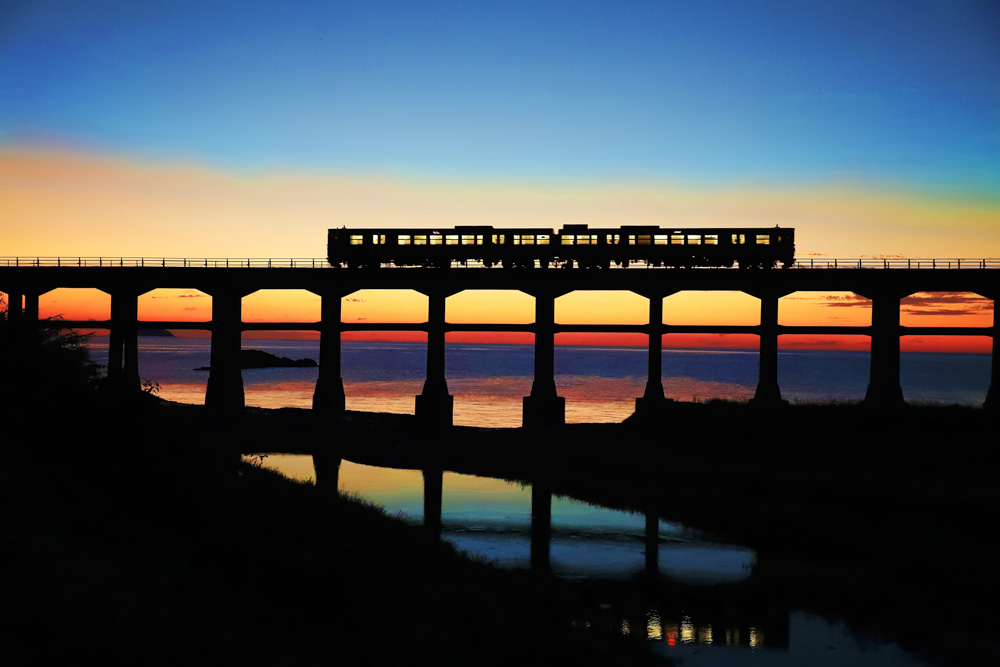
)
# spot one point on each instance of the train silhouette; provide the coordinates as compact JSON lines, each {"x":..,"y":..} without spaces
{"x":573,"y":246}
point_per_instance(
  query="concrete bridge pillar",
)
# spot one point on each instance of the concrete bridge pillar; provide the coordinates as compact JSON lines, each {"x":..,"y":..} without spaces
{"x":544,"y":408}
{"x":31,"y":307}
{"x":993,"y":394}
{"x":225,"y":377}
{"x":883,"y":383}
{"x":653,"y":401}
{"x":123,"y":344}
{"x":541,"y":526}
{"x":435,"y":406}
{"x":15,"y":307}
{"x":768,"y":392}
{"x":329,"y":393}
{"x":433,"y":494}
{"x":22,"y":309}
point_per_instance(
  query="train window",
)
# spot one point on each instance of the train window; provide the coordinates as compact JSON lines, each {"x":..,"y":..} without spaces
{"x":378,"y":239}
{"x":694,"y":239}
{"x":763,"y":239}
{"x":420,"y":240}
{"x":644,"y":239}
{"x":451,"y":239}
{"x":676,"y":239}
{"x":498,"y":239}
{"x":436,"y":239}
{"x":568,"y":239}
{"x":711,"y":239}
{"x":739,"y":239}
{"x":525,"y":239}
{"x":585,"y":239}
{"x":470,"y":239}
{"x":543,"y":239}
{"x":631,"y":239}
{"x":403,"y":239}
{"x":661,"y":239}
{"x":612,"y":239}
{"x":357,"y":239}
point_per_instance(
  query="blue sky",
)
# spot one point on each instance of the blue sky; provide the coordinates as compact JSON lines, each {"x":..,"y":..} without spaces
{"x":902,"y":92}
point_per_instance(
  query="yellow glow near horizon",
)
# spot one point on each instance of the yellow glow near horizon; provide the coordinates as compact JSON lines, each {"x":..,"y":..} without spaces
{"x":175,"y":305}
{"x":824,"y":309}
{"x":60,"y":203}
{"x":946,"y":309}
{"x":73,"y":204}
{"x":281,"y":305}
{"x":75,"y":303}
{"x":384,"y":305}
{"x":714,"y":308}
{"x":490,"y":307}
{"x":602,"y":307}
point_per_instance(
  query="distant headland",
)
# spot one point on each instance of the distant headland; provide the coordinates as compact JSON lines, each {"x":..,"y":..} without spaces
{"x":161,"y":333}
{"x":261,"y":359}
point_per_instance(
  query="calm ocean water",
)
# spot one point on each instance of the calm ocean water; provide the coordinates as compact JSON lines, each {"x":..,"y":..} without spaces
{"x":600,"y":383}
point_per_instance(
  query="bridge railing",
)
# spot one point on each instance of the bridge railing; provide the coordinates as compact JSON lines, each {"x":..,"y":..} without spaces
{"x":320,"y":262}
{"x":163,"y":262}
{"x":896,"y":263}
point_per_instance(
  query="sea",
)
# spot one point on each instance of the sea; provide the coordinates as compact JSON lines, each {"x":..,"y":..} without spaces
{"x":600,"y":383}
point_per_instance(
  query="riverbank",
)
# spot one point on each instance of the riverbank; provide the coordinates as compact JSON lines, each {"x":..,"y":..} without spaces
{"x":135,"y":537}
{"x":144,"y":540}
{"x":882,"y":518}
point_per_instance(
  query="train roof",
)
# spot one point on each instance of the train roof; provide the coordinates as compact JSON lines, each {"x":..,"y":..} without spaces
{"x":568,"y":228}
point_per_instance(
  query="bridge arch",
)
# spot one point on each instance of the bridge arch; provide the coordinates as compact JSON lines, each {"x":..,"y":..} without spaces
{"x":848,"y":378}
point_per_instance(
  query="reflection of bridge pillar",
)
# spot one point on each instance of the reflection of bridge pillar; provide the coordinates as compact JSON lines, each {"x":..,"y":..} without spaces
{"x":768,"y":392}
{"x":433,"y":493}
{"x":123,"y":344}
{"x":883,"y":384}
{"x":652,"y":400}
{"x":544,"y":407}
{"x":329,"y":393}
{"x":435,"y":406}
{"x":327,"y":468}
{"x":993,"y":394}
{"x":541,"y":526}
{"x":225,"y":378}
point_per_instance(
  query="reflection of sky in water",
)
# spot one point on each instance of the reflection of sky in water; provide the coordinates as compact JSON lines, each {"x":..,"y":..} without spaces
{"x":491,"y":518}
{"x":600,"y":384}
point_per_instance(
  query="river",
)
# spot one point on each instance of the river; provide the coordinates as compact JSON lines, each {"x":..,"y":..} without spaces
{"x":708,"y":609}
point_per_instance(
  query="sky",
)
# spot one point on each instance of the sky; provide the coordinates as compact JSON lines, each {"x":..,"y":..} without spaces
{"x":246,"y":129}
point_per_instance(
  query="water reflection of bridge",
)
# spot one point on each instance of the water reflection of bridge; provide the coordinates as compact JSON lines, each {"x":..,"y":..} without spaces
{"x":543,"y":406}
{"x":648,"y":605}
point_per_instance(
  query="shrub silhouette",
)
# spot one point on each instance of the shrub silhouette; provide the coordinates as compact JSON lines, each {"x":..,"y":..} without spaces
{"x":44,"y":361}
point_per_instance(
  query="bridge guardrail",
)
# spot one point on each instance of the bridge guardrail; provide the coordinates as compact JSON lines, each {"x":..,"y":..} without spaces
{"x":163,"y":262}
{"x":320,"y":262}
{"x":897,"y":263}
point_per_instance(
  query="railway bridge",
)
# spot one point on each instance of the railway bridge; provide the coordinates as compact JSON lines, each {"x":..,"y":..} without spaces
{"x":227,"y":281}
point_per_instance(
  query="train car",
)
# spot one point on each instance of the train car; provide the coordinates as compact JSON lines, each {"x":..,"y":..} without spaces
{"x":436,"y":248}
{"x":574,"y":246}
{"x":682,"y":248}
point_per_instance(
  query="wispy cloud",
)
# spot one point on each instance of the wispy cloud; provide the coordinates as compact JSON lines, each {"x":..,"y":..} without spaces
{"x":846,"y":301}
{"x":951,"y":304}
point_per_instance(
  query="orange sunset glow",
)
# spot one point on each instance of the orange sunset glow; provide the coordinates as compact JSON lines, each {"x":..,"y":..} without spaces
{"x":131,"y":208}
{"x":595,"y":307}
